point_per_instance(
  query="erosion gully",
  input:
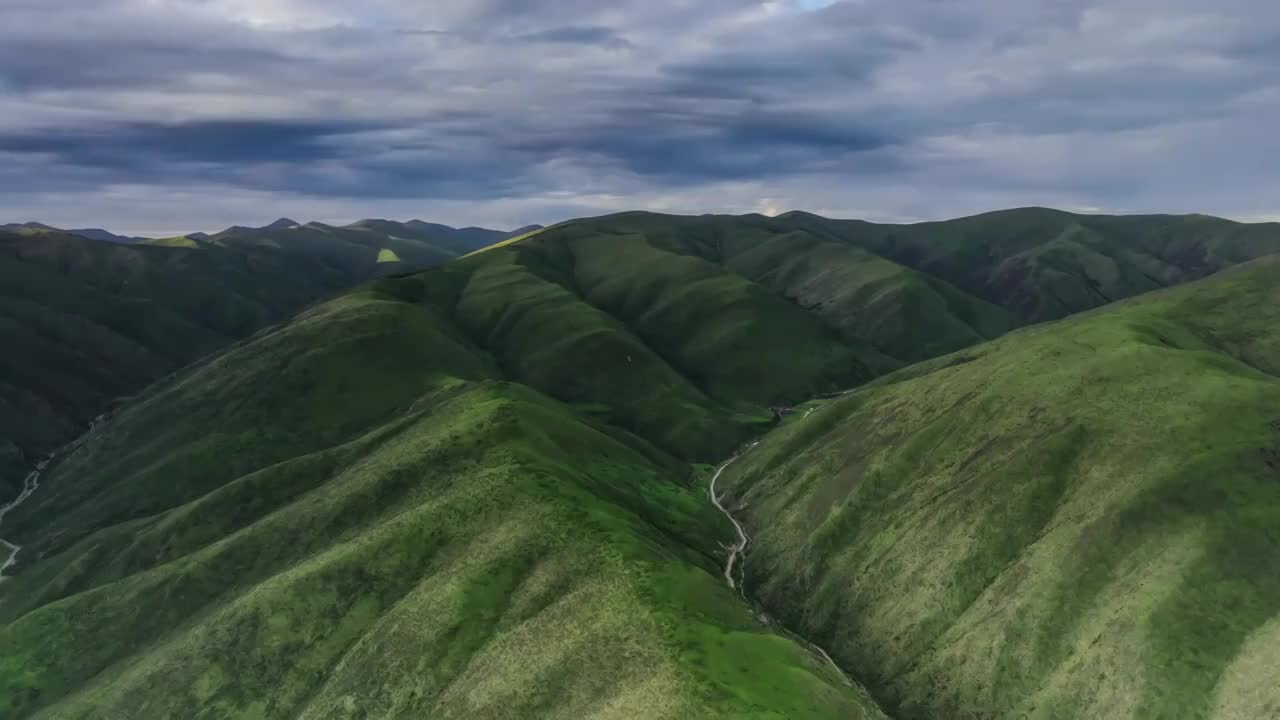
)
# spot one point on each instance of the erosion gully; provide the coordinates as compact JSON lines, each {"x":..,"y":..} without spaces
{"x":29,"y":487}
{"x":737,"y":556}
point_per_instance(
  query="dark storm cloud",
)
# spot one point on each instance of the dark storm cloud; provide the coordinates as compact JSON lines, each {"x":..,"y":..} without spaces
{"x":30,"y":63}
{"x":690,"y":145}
{"x":317,"y":158}
{"x":138,"y":145}
{"x":602,"y":36}
{"x":903,"y":107}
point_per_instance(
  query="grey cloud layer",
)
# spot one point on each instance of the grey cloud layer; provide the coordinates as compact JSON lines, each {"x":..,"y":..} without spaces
{"x":887,"y":108}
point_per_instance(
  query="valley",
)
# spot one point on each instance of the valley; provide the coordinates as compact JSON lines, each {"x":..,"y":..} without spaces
{"x":639,"y":360}
{"x":97,"y":320}
{"x":550,"y":479}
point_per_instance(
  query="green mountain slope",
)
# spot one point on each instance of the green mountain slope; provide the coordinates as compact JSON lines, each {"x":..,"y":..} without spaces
{"x":481,"y":489}
{"x":368,"y":248}
{"x":1045,"y":264}
{"x":86,"y":322}
{"x":1076,"y":520}
{"x":902,"y":314}
{"x":355,"y":516}
{"x":353,"y":251}
{"x":458,"y":241}
{"x":90,"y":321}
{"x":90,"y":233}
{"x":914,"y":292}
{"x":667,"y":346}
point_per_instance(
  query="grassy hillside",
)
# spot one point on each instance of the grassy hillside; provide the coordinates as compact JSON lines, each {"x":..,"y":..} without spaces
{"x":368,"y":248}
{"x":913,"y":292}
{"x":1076,"y":520}
{"x":884,"y":296}
{"x":90,"y":233}
{"x":360,"y":515}
{"x":676,"y":350}
{"x":480,"y":489}
{"x":457,"y":241}
{"x":357,"y":251}
{"x":89,"y":321}
{"x":903,"y":315}
{"x":1044,"y":264}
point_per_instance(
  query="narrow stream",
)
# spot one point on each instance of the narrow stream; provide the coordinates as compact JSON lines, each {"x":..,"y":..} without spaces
{"x":31,"y":484}
{"x":739,"y":549}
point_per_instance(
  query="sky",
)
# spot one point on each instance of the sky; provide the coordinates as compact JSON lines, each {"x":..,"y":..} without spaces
{"x":169,"y":116}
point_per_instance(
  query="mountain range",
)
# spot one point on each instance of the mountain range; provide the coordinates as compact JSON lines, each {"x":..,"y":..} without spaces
{"x":1018,"y":465}
{"x":90,"y":233}
{"x":90,"y":322}
{"x":473,"y":237}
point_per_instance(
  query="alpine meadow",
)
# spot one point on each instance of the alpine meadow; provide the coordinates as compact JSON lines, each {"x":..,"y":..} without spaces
{"x":481,"y":490}
{"x":752,"y":359}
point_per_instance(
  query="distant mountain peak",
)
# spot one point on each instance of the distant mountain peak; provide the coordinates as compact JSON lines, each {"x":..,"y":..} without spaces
{"x":283,"y":223}
{"x":27,"y":226}
{"x":90,"y":233}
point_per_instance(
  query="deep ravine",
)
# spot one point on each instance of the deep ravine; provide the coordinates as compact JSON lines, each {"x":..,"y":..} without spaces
{"x":738,"y":551}
{"x":740,"y":547}
{"x":29,"y":487}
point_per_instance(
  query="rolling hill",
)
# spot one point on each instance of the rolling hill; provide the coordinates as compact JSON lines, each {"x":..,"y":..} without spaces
{"x":1044,"y":264}
{"x":481,"y":489}
{"x":918,"y":291}
{"x":90,"y":321}
{"x":91,"y":233}
{"x":360,"y":513}
{"x":415,"y":243}
{"x":1077,"y":520}
{"x":903,"y":314}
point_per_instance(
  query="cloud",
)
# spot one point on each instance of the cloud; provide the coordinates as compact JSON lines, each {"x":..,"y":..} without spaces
{"x":578,"y":35}
{"x":477,"y":112}
{"x":138,"y":145}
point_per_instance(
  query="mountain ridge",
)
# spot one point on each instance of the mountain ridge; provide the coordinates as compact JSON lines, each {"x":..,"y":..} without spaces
{"x":481,"y":489}
{"x":99,"y":320}
{"x":1054,"y":521}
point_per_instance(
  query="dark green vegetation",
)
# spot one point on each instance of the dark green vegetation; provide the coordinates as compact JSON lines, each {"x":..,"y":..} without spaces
{"x":1077,"y":520}
{"x":355,"y":515}
{"x":479,"y":490}
{"x":913,"y":292}
{"x":356,"y":248}
{"x":84,"y":322}
{"x":894,"y":313}
{"x":1044,"y":264}
{"x":90,"y":233}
